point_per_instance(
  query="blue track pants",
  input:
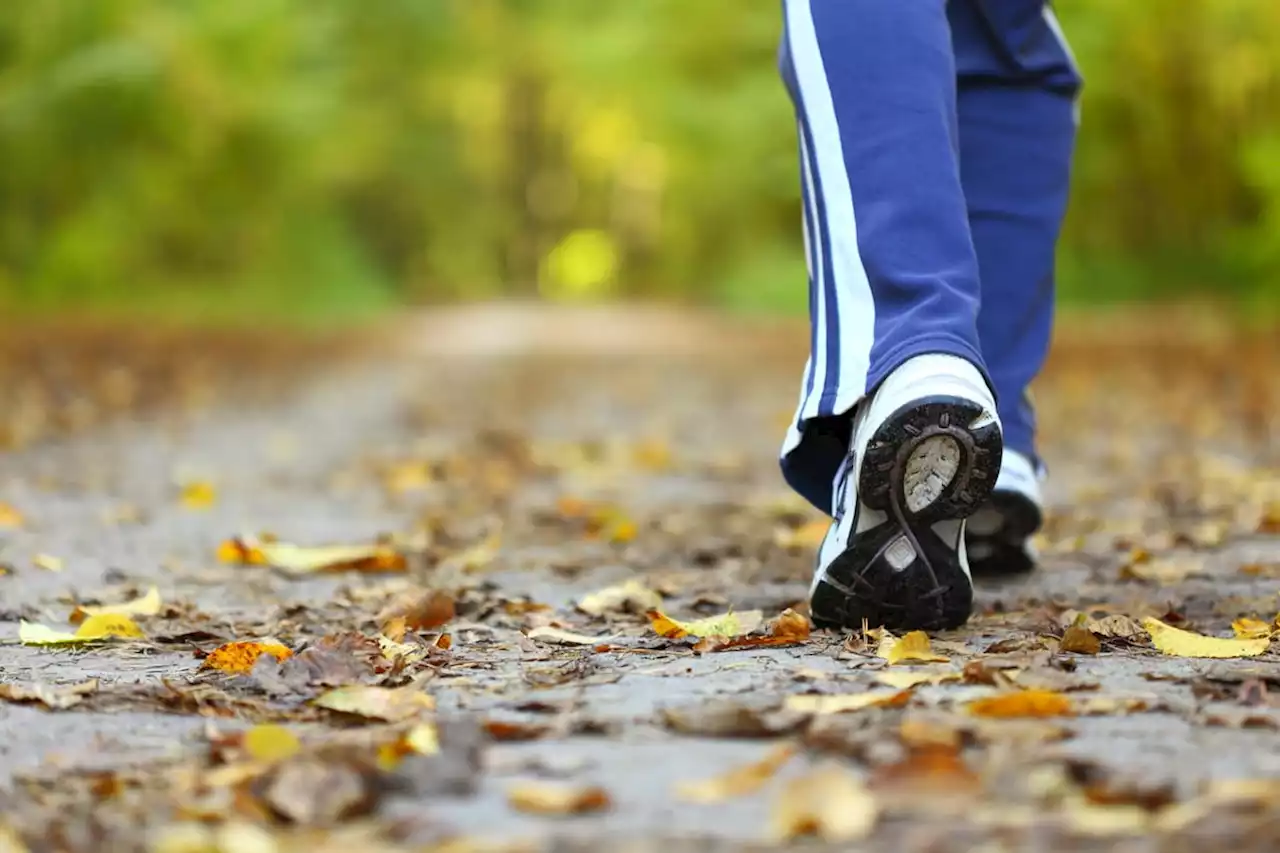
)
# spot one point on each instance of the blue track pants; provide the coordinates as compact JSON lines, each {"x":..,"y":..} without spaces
{"x":935,"y":151}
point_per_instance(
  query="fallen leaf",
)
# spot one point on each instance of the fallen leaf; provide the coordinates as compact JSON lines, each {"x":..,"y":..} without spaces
{"x":931,"y":769}
{"x":46,"y":562}
{"x":789,"y":629}
{"x":303,"y":560}
{"x":239,"y":658}
{"x":839,"y":704}
{"x":198,"y":495}
{"x":508,"y":731}
{"x":1080,"y":640}
{"x":420,"y":610}
{"x":1023,"y":703}
{"x":1162,"y":571}
{"x":807,"y":536}
{"x":629,"y":597}
{"x":905,"y":680}
{"x":557,"y":800}
{"x":391,"y":704}
{"x":10,"y":842}
{"x":269,"y":743}
{"x":422,"y":739}
{"x":10,"y":517}
{"x":57,"y":697}
{"x":559,"y":635}
{"x":911,"y":647}
{"x":1116,"y":625}
{"x":829,"y":803}
{"x":738,"y":782}
{"x":320,"y":791}
{"x":1105,"y":705}
{"x":101,"y":627}
{"x":733,"y":719}
{"x":1247,"y":628}
{"x":729,"y":624}
{"x":1180,"y":643}
{"x":147,"y":605}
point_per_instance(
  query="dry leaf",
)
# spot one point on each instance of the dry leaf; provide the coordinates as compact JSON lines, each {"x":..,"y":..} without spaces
{"x":1247,"y":628}
{"x":391,"y":704}
{"x":839,"y":704}
{"x":57,"y":697}
{"x":147,"y":605}
{"x":269,"y":743}
{"x":422,"y":739}
{"x":829,"y":803}
{"x":547,"y":799}
{"x":101,"y":627}
{"x":418,"y":610}
{"x":912,"y":647}
{"x":928,"y":769}
{"x":46,"y":562}
{"x":629,"y":597}
{"x":10,"y":517}
{"x":1080,"y":640}
{"x":1116,"y":625}
{"x":905,"y":680}
{"x":1163,"y":571}
{"x":239,"y":658}
{"x":788,"y":629}
{"x":558,"y":635}
{"x":1023,"y":703}
{"x":303,"y":560}
{"x":729,"y":624}
{"x":807,"y":536}
{"x":731,"y":718}
{"x":738,"y":782}
{"x":1180,"y":643}
{"x":198,"y":495}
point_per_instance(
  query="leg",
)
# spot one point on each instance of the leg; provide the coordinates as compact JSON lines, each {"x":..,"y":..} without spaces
{"x":892,"y":268}
{"x":1016,"y":104}
{"x":896,"y":433}
{"x":1017,"y":131}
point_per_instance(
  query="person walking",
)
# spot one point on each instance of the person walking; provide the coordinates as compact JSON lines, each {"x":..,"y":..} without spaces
{"x":935,"y":142}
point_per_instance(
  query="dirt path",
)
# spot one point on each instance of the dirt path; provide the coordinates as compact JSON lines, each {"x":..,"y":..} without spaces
{"x":514,"y":464}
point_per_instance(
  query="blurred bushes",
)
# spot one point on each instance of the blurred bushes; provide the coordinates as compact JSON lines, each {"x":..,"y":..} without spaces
{"x":230,"y":156}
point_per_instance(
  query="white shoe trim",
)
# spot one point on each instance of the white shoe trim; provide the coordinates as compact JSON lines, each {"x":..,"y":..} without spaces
{"x":1018,"y":474}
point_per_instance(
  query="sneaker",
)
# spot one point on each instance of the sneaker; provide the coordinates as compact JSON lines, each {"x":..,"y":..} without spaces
{"x":924,"y":455}
{"x":998,"y":536}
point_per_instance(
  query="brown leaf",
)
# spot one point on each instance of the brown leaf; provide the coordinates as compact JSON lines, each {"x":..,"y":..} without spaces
{"x":54,"y":697}
{"x":239,"y":658}
{"x":738,"y":782}
{"x":558,"y":800}
{"x":1080,"y":640}
{"x":789,"y":629}
{"x":507,"y":731}
{"x":829,"y":803}
{"x":728,"y":718}
{"x":930,"y":769}
{"x":1023,"y":703}
{"x":319,"y":792}
{"x":420,"y":610}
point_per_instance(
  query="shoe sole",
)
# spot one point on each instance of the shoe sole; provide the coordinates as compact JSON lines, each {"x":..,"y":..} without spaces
{"x":1007,"y":554}
{"x":935,"y":459}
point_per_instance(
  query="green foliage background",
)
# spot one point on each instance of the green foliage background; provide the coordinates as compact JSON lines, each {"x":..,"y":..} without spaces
{"x":325,"y":158}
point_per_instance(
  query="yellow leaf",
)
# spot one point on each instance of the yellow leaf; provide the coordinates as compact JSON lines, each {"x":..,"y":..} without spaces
{"x":839,"y":704}
{"x":198,"y":495}
{"x":101,"y":627}
{"x":269,"y":742}
{"x":1247,"y":628}
{"x":555,"y":799}
{"x":10,"y":517}
{"x":147,"y":605}
{"x":729,"y":624}
{"x":912,"y":647}
{"x":1023,"y":703}
{"x":806,"y":536}
{"x":829,"y":803}
{"x":629,"y":597}
{"x":1179,"y":643}
{"x":422,"y":739}
{"x":239,"y":658}
{"x":391,"y":704}
{"x":304,"y":560}
{"x":906,"y":680}
{"x":46,"y":562}
{"x":558,"y":635}
{"x":10,"y":842}
{"x":738,"y":782}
